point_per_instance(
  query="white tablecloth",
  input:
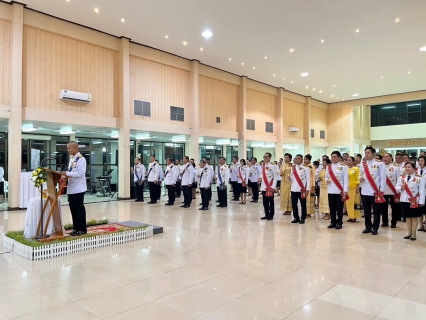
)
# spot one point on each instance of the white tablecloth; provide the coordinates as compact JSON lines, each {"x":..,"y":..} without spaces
{"x":33,"y":216}
{"x":27,"y":189}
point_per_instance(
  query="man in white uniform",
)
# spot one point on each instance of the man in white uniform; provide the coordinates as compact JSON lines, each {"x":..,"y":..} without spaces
{"x":178,"y":181}
{"x":222,"y":180}
{"x":235,"y":167}
{"x":392,"y":173}
{"x":269,"y":183}
{"x":204,"y":178}
{"x":188,"y":175}
{"x":373,"y":185}
{"x":160,"y":180}
{"x":77,"y":187}
{"x":139,"y":174}
{"x":170,"y":178}
{"x":153,"y":179}
{"x":254,"y":176}
{"x":300,"y":186}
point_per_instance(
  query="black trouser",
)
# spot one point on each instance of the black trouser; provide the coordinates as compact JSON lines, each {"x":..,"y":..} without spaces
{"x":171,"y":194}
{"x":369,"y":202}
{"x":255,"y":191}
{"x":210,"y":192}
{"x":139,"y":191}
{"x":178,"y":188}
{"x":158,"y":190}
{"x":295,"y":197}
{"x":268,"y":205}
{"x":336,"y":208}
{"x":222,"y":197}
{"x":235,"y":190}
{"x":187,"y":195}
{"x":205,"y":194}
{"x":396,"y":210}
{"x":152,"y":192}
{"x":78,"y":211}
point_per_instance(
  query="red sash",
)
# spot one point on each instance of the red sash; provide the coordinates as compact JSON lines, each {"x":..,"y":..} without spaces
{"x":299,"y":181}
{"x":413,"y":200}
{"x":337,"y":183}
{"x":241,"y":177}
{"x":268,"y":184}
{"x":377,"y":194}
{"x":396,"y":195}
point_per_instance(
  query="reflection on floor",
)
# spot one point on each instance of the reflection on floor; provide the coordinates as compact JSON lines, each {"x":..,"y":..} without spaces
{"x":221,"y":264}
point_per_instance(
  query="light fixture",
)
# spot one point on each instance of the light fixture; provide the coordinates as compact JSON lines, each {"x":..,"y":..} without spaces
{"x":355,"y":95}
{"x":337,"y":98}
{"x":291,"y":81}
{"x":423,"y":48}
{"x":114,"y":134}
{"x":166,"y":36}
{"x":389,"y":107}
{"x":266,"y":57}
{"x":332,"y":95}
{"x":291,"y":50}
{"x":96,"y":10}
{"x":230,"y":59}
{"x":397,"y":20}
{"x":409,"y":72}
{"x":274,"y":75}
{"x":185,"y":43}
{"x":200,"y":139}
{"x":28,"y":128}
{"x":123,"y":20}
{"x":322,"y":40}
{"x":223,"y":141}
{"x":304,"y":74}
{"x":242,"y":63}
{"x":254,"y":68}
{"x":201,"y":49}
{"x":67,"y":0}
{"x":283,"y":78}
{"x":413,"y":104}
{"x":334,"y":86}
{"x":381,"y":77}
{"x":357,"y":30}
{"x":67,"y":132}
{"x":180,"y":138}
{"x":320,"y":91}
{"x":314,"y":89}
{"x":307,"y":87}
{"x":143,"y":136}
{"x":207,"y":34}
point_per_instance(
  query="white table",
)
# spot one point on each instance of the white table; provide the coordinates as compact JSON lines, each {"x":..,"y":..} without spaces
{"x":27,"y":189}
{"x":33,"y":217}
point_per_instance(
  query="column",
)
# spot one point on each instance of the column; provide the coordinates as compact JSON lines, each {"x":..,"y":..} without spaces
{"x":307,"y":126}
{"x":194,"y":145}
{"x":279,"y":151}
{"x":241,"y":119}
{"x":124,"y":120}
{"x":15,"y":120}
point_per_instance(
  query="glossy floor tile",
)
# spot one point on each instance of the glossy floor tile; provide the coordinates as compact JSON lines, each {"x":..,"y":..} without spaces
{"x":220,"y":264}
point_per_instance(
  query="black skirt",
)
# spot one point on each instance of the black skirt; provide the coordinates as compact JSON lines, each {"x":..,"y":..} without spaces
{"x":1,"y":188}
{"x":423,"y":209}
{"x":408,"y":212}
{"x":194,"y":185}
{"x":242,"y":189}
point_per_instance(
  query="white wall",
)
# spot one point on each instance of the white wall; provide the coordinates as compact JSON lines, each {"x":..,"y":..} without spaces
{"x":260,"y":152}
{"x":406,"y":131}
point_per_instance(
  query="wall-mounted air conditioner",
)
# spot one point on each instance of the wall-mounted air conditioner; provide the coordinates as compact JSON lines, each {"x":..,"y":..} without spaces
{"x":75,"y":96}
{"x":293,"y":129}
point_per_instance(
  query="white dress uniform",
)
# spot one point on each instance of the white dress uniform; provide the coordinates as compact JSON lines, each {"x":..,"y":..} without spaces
{"x":188,"y":176}
{"x":271,"y":174}
{"x":341,"y":173}
{"x":222,"y":177}
{"x":153,"y":172}
{"x":170,"y":177}
{"x":401,"y":167}
{"x":234,"y":180}
{"x":305,"y":177}
{"x":416,"y":184}
{"x":244,"y":172}
{"x":393,"y":173}
{"x":204,"y":179}
{"x":254,"y":176}
{"x":139,"y":173}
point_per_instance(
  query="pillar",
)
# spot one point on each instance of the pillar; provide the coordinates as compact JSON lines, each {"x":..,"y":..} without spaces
{"x":307,"y":126}
{"x":279,"y":151}
{"x":15,"y":120}
{"x":124,"y":120}
{"x":241,"y":119}
{"x":194,"y":145}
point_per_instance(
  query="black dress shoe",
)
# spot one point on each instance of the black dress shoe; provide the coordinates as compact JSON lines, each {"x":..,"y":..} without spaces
{"x":407,"y":237}
{"x":270,"y":219}
{"x":367,"y":231}
{"x":183,"y":206}
{"x":186,"y":206}
{"x":149,"y":202}
{"x":295,"y":221}
{"x":331,"y":226}
{"x":302,"y":221}
{"x":205,"y":209}
{"x":202,"y":208}
{"x":219,"y":206}
{"x":217,"y":200}
{"x":73,"y":233}
{"x":374,"y":232}
{"x":413,"y":239}
{"x":138,"y":201}
{"x":421,"y":229}
{"x":393,"y":226}
{"x":384,"y":225}
{"x":167,"y":204}
{"x":264,"y":218}
{"x":338,"y":226}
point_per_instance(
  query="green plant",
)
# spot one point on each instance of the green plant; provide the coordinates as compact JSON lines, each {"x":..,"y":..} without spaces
{"x":39,"y":177}
{"x":89,"y":223}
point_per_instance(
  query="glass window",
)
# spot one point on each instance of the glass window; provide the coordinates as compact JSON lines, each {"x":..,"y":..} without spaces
{"x":84,"y":148}
{"x":230,"y":153}
{"x":249,"y":153}
{"x":414,"y":117}
{"x":389,"y":120}
{"x":58,"y":148}
{"x":3,"y":153}
{"x":413,"y":106}
{"x":376,"y":111}
{"x":400,"y":108}
{"x":398,"y":113}
{"x":401,"y":118}
{"x":388,"y":110}
{"x":98,"y":151}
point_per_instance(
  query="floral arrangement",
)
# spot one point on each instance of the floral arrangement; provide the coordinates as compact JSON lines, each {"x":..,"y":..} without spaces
{"x":39,"y":177}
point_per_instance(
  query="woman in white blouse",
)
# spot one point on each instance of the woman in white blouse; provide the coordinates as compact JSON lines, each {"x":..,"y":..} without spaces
{"x":421,"y":170}
{"x":412,"y":188}
{"x":243,"y":176}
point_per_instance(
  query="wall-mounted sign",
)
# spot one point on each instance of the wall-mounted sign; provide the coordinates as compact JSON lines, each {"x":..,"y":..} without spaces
{"x":408,"y":142}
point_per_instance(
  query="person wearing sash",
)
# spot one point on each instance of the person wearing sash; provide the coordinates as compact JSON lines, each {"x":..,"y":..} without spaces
{"x":412,"y":189}
{"x":324,"y":207}
{"x":285,"y":172}
{"x":353,"y":191}
{"x":391,"y":195}
{"x":310,"y":200}
{"x":249,"y":190}
{"x":178,"y":187}
{"x":160,"y":179}
{"x":255,"y":177}
{"x":234,"y":179}
{"x":336,"y":178}
{"x":188,"y":174}
{"x":421,"y":170}
{"x":243,"y":177}
{"x":205,"y":179}
{"x":373,"y":185}
{"x":210,"y":167}
{"x":269,"y":183}
{"x":77,"y":188}
{"x":195,"y":182}
{"x":139,"y":173}
{"x":153,"y":179}
{"x":300,"y":186}
{"x":170,"y":178}
{"x":222,"y":180}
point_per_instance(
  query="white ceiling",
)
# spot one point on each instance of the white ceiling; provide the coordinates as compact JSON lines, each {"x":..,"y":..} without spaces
{"x":249,"y":30}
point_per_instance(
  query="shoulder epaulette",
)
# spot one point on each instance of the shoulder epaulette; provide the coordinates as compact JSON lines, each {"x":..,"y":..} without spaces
{"x":418,"y":175}
{"x":378,"y":160}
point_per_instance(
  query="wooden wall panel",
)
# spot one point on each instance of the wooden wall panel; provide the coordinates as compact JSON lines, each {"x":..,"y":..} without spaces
{"x":5,"y":62}
{"x":357,"y":115}
{"x":293,"y":116}
{"x":218,"y":99}
{"x":262,"y":108}
{"x":52,"y":62}
{"x":319,"y":122}
{"x":339,"y":124}
{"x":162,"y":85}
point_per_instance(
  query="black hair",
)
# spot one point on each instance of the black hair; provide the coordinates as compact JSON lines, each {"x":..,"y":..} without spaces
{"x":359,"y":155}
{"x":267,"y":153}
{"x":346,"y":154}
{"x":309,"y":157}
{"x":171,"y":160}
{"x":236,"y":158}
{"x":379,"y":156}
{"x":152,"y":155}
{"x":288,"y":155}
{"x":186,"y":157}
{"x":327,"y":160}
{"x":422,"y":157}
{"x":337,"y":153}
{"x":387,"y":153}
{"x":353,"y":159}
{"x":316,"y":163}
{"x":299,"y":155}
{"x":411,"y":163}
{"x":371,"y":149}
{"x":255,"y":159}
{"x":243,"y":161}
{"x":138,"y":158}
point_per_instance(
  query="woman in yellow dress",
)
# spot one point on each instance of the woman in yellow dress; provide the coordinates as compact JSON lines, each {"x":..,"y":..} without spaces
{"x":285,"y":171}
{"x":354,"y":196}
{"x":323,"y":205}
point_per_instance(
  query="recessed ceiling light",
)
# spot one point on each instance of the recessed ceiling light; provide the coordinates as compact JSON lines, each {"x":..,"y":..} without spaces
{"x":381,"y":77}
{"x":307,"y":87}
{"x":67,"y":0}
{"x":423,"y":48}
{"x":357,"y":30}
{"x":254,"y":68}
{"x":320,"y":91}
{"x":397,"y":20}
{"x":242,"y":63}
{"x":337,"y":98}
{"x":332,"y":95}
{"x":201,"y":49}
{"x":207,"y":34}
{"x":291,"y":50}
{"x":291,"y":81}
{"x":355,"y":95}
{"x":334,"y":86}
{"x":123,"y":20}
{"x":230,"y":59}
{"x":274,"y":75}
{"x":283,"y":78}
{"x":185,"y":43}
{"x":96,"y":10}
{"x":166,"y":36}
{"x":314,"y":89}
{"x":266,"y":57}
{"x":322,"y":40}
{"x":304,"y":74}
{"x":409,"y":72}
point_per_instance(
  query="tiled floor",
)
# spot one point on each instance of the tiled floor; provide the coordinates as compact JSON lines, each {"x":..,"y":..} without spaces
{"x":221,"y":264}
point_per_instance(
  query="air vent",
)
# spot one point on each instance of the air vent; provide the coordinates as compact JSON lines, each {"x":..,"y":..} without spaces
{"x":312,"y":133}
{"x":217,"y":119}
{"x":250,"y":124}
{"x":142,"y":108}
{"x":177,"y":114}
{"x":322,"y":134}
{"x":269,"y":127}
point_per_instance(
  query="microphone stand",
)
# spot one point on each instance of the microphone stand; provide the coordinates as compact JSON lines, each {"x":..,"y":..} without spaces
{"x":40,"y":236}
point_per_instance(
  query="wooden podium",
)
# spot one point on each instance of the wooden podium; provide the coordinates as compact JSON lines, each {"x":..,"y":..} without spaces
{"x":53,"y":178}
